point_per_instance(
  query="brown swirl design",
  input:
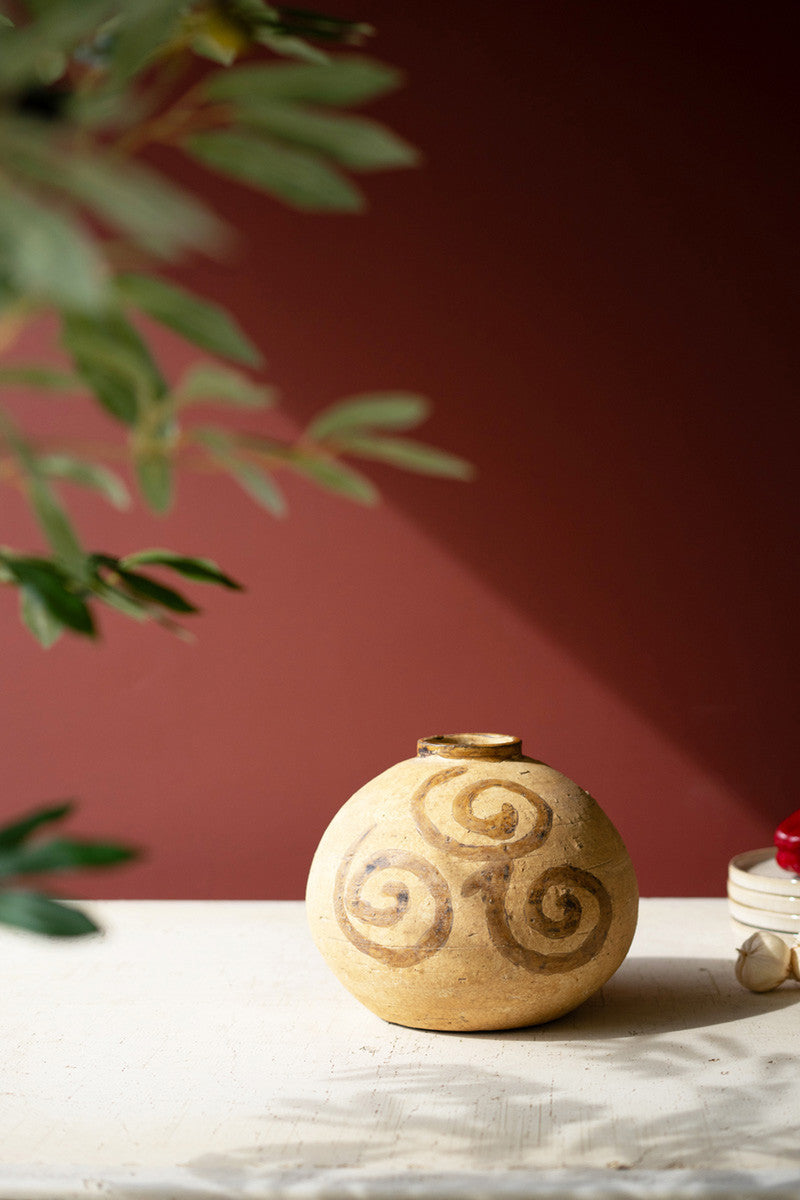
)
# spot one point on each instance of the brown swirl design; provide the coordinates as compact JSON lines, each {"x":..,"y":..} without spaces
{"x":349,"y":901}
{"x":492,"y":885}
{"x":500,"y":826}
{"x":561,"y":886}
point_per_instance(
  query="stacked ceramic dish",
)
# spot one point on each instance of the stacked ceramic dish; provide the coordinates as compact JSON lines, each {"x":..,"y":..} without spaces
{"x":761,"y":895}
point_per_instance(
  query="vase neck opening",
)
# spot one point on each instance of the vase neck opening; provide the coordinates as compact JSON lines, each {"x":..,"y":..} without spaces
{"x":493,"y":747}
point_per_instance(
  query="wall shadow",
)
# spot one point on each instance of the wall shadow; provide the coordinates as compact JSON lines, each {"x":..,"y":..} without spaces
{"x":596,"y":286}
{"x":627,"y":325}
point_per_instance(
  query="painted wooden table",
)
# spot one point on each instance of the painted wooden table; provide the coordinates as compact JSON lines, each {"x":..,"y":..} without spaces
{"x":202,"y":1050}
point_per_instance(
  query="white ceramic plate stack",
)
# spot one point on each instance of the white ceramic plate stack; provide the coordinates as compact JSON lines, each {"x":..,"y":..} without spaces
{"x":761,"y":895}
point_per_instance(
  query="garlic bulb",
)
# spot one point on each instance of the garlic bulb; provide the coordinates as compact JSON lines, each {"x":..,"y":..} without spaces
{"x":765,"y":961}
{"x":795,"y":965}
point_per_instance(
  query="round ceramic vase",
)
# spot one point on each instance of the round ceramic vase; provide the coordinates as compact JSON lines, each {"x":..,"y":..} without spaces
{"x":472,"y":888}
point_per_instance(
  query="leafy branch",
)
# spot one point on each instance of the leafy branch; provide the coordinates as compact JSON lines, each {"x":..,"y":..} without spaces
{"x":86,"y":230}
{"x":88,"y":233}
{"x":23,"y":854}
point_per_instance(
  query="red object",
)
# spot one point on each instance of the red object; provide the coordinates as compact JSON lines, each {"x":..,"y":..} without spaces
{"x":787,"y":839}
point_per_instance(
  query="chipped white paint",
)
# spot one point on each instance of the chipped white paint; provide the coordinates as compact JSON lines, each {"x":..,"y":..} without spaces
{"x":203,"y":1050}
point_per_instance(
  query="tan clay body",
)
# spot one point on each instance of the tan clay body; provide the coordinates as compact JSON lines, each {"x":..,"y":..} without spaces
{"x":472,"y":888}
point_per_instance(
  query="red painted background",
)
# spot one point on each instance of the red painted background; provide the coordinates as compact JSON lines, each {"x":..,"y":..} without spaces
{"x":594,"y":278}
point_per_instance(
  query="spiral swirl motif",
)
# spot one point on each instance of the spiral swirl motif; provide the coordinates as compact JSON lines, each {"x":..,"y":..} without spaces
{"x":349,"y":902}
{"x":560,"y":885}
{"x":554,"y":909}
{"x":501,"y":826}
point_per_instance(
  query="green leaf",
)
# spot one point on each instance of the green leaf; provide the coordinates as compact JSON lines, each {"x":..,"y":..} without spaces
{"x":17,"y":832}
{"x":378,"y":410}
{"x":114,"y":362}
{"x":155,"y":475}
{"x":35,"y":376}
{"x":254,"y":480}
{"x":6,"y":22}
{"x":291,"y":47}
{"x":301,"y":22}
{"x":62,"y":854}
{"x":144,"y":26}
{"x":344,"y":81}
{"x":156,"y":214}
{"x":47,"y":257}
{"x":413,"y":456}
{"x":214,"y":384}
{"x":199,"y":321}
{"x":121,"y":601}
{"x":57,"y":28}
{"x":201,"y":569}
{"x":249,"y":12}
{"x":300,"y":179}
{"x":354,"y":142}
{"x":51,"y":586}
{"x":142,"y":587}
{"x":148,"y":589}
{"x":210,"y":44}
{"x":55,"y":524}
{"x":49,"y":513}
{"x":87,"y":474}
{"x":258,"y":484}
{"x":334,"y":476}
{"x":101,"y":108}
{"x":152,"y":211}
{"x":38,"y":619}
{"x":40,"y":914}
{"x":9,"y":296}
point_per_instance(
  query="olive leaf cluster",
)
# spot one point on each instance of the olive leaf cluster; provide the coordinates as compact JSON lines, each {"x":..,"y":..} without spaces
{"x":88,"y":231}
{"x":24,"y":856}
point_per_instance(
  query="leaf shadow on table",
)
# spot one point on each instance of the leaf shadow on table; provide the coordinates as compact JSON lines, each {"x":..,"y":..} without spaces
{"x":672,"y":1024}
{"x":386,"y":1114}
{"x":452,"y":1115}
{"x":449,"y":1118}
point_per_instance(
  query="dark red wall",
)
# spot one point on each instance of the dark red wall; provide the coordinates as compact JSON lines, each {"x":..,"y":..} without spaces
{"x":594,"y":278}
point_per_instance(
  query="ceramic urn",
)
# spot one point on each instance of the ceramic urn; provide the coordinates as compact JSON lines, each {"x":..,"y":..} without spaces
{"x":472,"y":888}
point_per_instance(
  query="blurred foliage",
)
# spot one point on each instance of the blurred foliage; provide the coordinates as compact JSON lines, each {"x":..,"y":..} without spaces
{"x":84,"y":88}
{"x":24,"y":854}
{"x":88,"y":231}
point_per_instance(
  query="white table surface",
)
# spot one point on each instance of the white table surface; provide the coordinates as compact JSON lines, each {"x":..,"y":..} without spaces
{"x":202,"y":1049}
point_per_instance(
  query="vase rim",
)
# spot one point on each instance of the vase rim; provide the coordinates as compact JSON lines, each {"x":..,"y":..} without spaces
{"x":492,"y":746}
